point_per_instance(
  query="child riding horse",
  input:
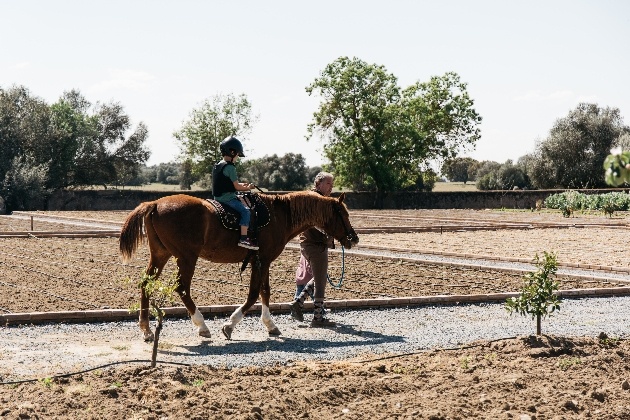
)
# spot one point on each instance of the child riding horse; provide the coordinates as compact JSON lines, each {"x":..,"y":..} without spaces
{"x":188,"y":228}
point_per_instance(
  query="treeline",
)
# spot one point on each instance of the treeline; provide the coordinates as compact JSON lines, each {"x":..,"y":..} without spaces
{"x":377,"y":135}
{"x":570,"y":157}
{"x":274,"y":173}
{"x":74,"y":143}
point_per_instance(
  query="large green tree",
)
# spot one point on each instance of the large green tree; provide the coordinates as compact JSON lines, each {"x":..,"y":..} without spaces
{"x":572,"y":155}
{"x":380,"y":137}
{"x":218,"y":117}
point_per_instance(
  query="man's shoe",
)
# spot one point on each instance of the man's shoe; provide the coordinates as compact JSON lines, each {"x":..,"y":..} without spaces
{"x":296,"y":311}
{"x":247,"y":243}
{"x":323,"y":323}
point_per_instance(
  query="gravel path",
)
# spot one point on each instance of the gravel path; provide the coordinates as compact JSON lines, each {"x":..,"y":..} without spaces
{"x":480,"y":262}
{"x":48,"y":350}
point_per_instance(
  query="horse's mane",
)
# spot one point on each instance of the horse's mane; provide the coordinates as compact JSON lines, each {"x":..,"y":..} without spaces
{"x":307,"y":206}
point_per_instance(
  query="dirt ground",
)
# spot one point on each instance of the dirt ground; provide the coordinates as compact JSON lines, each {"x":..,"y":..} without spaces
{"x":64,"y":274}
{"x":524,"y":378}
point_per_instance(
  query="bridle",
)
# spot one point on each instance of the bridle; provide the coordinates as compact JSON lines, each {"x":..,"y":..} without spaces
{"x":351,"y":235}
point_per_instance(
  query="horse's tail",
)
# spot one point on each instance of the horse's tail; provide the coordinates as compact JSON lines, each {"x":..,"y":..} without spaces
{"x":131,"y":234}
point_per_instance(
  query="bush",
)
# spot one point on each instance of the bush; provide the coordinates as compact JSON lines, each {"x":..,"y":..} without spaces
{"x":24,"y":185}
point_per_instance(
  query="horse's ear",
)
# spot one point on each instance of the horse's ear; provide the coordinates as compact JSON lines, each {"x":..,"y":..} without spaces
{"x":342,"y":197}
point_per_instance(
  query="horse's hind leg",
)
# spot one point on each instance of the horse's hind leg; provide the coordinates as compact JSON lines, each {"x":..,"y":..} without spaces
{"x":155,"y":267}
{"x":186,"y":270}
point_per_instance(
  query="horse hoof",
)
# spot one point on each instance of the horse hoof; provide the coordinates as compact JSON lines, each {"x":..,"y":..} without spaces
{"x":275,"y":332}
{"x":205,"y":333}
{"x":227,"y":331}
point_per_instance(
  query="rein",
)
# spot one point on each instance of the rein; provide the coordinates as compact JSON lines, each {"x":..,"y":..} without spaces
{"x":349,"y":235}
{"x":343,"y":271}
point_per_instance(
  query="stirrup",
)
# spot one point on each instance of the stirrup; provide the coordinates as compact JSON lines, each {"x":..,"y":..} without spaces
{"x":247,"y":243}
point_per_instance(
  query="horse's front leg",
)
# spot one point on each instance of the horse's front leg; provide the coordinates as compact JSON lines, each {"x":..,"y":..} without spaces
{"x":239,"y":313}
{"x":265,"y":294}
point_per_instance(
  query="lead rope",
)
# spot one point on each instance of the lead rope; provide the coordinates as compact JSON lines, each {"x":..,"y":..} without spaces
{"x":339,"y":283}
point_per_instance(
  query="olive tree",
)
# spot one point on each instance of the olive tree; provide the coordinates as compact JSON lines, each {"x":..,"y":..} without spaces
{"x":72,"y":142}
{"x":93,"y":144}
{"x":572,"y":155}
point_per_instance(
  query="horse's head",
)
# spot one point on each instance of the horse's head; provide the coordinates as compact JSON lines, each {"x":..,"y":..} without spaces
{"x":339,"y":225}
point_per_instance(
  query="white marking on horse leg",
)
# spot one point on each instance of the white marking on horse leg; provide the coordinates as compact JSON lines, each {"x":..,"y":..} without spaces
{"x":268,"y":321}
{"x":266,"y":318}
{"x":145,"y":327}
{"x":198,"y":320}
{"x":236,"y":317}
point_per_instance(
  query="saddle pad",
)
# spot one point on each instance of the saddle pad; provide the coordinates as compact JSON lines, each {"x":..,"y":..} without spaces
{"x":230,"y":218}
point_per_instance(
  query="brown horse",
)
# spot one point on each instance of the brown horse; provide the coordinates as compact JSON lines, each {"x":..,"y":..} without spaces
{"x":188,"y":228}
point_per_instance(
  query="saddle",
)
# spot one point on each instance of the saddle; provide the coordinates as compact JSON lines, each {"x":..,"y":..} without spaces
{"x":230,"y":218}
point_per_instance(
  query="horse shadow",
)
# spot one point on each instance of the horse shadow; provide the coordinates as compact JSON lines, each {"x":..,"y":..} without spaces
{"x":309,"y":346}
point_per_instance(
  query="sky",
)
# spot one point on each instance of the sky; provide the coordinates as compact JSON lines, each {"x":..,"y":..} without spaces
{"x":526,"y":63}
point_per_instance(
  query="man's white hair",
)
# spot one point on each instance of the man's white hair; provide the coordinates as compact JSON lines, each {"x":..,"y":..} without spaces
{"x":322,"y":176}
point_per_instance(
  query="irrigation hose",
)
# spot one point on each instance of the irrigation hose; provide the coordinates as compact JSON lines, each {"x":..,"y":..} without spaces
{"x":66,"y":375}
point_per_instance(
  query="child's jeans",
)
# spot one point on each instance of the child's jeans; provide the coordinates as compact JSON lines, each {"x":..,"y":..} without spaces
{"x":244,"y":211}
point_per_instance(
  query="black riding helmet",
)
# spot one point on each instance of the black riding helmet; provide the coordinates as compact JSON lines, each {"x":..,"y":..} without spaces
{"x":231,"y":143}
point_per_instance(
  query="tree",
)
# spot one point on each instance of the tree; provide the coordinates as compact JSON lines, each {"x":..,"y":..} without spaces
{"x":572,"y":155}
{"x":487,"y":175}
{"x":93,"y":144}
{"x":24,"y":184}
{"x":186,"y":178}
{"x":538,"y":297}
{"x":217,"y":118}
{"x":77,"y":144}
{"x":160,"y":291}
{"x":460,"y":169}
{"x":377,"y":136}
{"x":24,"y":127}
{"x":284,"y":173}
{"x":494,"y":176}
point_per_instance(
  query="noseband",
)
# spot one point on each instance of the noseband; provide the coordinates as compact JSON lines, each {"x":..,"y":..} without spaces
{"x":350,"y":233}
